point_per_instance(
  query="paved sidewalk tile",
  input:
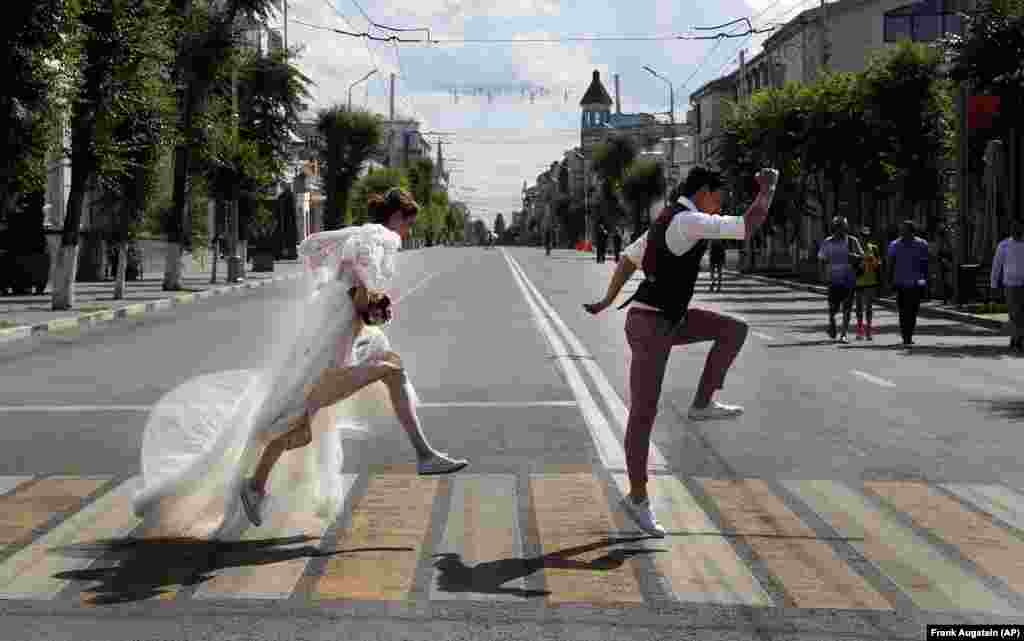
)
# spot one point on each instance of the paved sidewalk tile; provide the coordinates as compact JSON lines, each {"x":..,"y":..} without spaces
{"x":25,"y":316}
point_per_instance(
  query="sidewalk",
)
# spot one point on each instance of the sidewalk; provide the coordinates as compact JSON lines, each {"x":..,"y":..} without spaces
{"x":929,"y":308}
{"x":25,"y":316}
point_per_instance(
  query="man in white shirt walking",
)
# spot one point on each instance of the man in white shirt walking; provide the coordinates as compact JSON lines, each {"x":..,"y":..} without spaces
{"x":670,"y":254}
{"x":1008,"y":272}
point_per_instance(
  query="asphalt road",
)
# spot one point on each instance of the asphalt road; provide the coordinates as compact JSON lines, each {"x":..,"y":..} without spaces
{"x":866,"y":492}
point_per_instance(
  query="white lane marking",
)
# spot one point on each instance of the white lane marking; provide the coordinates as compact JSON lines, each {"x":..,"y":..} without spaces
{"x":43,"y":409}
{"x":611,"y":397}
{"x":762,"y":336}
{"x":609,"y":448}
{"x":872,"y":379}
{"x":409,"y":292}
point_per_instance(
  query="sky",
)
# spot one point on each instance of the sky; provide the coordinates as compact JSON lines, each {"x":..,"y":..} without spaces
{"x":493,"y":144}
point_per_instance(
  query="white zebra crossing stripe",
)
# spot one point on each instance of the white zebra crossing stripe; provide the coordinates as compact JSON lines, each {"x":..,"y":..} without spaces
{"x":700,"y":566}
{"x":924,"y":574}
{"x":482,"y":526}
{"x":1000,"y":502}
{"x":273,"y":580}
{"x":8,"y":483}
{"x":30,"y":573}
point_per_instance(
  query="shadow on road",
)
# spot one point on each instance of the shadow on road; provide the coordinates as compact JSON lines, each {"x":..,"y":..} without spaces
{"x":723,"y":297}
{"x":489,"y":577}
{"x":146,"y":568}
{"x":948,"y":328}
{"x":1012,"y":409}
{"x":946,"y":351}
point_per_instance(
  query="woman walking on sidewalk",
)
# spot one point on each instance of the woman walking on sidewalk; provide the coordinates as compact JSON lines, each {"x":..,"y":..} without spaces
{"x":1008,"y":272}
{"x":908,"y":273}
{"x":867,"y":284}
{"x":840,"y":251}
{"x":670,"y":253}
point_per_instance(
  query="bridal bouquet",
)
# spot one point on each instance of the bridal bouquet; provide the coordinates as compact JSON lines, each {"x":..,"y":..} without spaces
{"x":373,"y":306}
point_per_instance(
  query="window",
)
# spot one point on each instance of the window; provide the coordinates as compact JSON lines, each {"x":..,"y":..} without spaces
{"x":925,"y":21}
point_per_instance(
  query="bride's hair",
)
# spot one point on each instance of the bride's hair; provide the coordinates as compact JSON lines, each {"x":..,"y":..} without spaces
{"x":382,"y":206}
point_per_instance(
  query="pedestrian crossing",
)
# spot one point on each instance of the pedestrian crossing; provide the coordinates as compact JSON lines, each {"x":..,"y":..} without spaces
{"x":552,"y":535}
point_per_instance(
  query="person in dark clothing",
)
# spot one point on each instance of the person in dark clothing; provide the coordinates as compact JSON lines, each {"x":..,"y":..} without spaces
{"x":617,"y":243}
{"x":670,"y":254}
{"x":908,"y":274}
{"x":717,"y":262}
{"x":602,"y":243}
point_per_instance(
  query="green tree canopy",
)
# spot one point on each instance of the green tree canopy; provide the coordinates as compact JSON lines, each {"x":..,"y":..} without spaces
{"x":377,"y":181}
{"x":349,"y":138}
{"x":643,"y":185}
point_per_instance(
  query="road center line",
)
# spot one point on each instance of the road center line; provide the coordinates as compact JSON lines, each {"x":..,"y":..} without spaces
{"x":77,"y":409}
{"x":619,"y":414}
{"x":610,"y":450}
{"x":409,"y":292}
{"x":872,"y":379}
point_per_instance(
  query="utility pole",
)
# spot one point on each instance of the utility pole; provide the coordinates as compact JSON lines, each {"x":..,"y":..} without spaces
{"x":825,"y":53}
{"x":391,"y":110}
{"x":234,"y":260}
{"x":284,"y":3}
{"x":748,"y":242}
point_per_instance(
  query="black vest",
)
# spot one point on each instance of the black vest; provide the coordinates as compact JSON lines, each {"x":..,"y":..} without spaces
{"x":669,"y":280}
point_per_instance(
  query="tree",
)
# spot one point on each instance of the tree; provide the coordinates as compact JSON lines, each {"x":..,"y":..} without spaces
{"x":349,"y":139}
{"x":643,"y":185}
{"x":206,"y":33}
{"x":117,"y":42}
{"x":611,"y":160}
{"x":32,"y":42}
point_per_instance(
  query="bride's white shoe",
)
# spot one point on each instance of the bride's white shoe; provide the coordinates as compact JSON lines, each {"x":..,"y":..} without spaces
{"x":252,"y":501}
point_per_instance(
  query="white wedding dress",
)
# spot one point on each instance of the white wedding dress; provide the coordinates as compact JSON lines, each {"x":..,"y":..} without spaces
{"x":203,"y":438}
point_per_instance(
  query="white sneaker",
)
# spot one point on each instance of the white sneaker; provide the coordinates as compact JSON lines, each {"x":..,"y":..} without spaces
{"x":440,"y":463}
{"x":252,"y":501}
{"x":714,"y":411}
{"x":643,"y":516}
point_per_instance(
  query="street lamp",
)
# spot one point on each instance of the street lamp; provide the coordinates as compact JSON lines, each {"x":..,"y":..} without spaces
{"x":351,"y":86}
{"x":586,"y":200}
{"x":672,"y":132}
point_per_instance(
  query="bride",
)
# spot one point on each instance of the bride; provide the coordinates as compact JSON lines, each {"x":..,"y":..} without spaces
{"x":212,"y":445}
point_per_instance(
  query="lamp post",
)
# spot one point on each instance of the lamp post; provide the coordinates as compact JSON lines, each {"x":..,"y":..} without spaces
{"x":351,"y":86}
{"x":586,"y":198}
{"x":669,"y":166}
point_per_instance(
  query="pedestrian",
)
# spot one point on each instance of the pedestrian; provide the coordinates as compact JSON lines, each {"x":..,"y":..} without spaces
{"x":944,"y":254}
{"x":867,"y":284}
{"x":843,"y":255}
{"x":908,"y":274}
{"x":1008,"y":272}
{"x":617,"y":242}
{"x":547,"y":241}
{"x":602,"y":242}
{"x":670,"y":253}
{"x":717,"y":262}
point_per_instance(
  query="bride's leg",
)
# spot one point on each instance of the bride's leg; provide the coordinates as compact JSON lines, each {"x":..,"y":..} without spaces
{"x":402,"y":400}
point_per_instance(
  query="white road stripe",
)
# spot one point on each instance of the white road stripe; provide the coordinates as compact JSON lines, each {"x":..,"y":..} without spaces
{"x":762,"y":336}
{"x":872,"y":379}
{"x":609,"y":448}
{"x":83,"y":409}
{"x":418,"y":285}
{"x":611,"y":397}
{"x":8,"y":483}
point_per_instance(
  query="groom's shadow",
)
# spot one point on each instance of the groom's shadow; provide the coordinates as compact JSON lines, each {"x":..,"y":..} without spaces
{"x":134,"y":569}
{"x":489,"y":577}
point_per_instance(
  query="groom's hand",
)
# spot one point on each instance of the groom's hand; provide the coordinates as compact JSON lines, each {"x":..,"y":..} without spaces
{"x":596,"y":308}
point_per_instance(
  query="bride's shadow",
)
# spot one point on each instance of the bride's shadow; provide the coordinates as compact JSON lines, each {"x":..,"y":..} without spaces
{"x":135,"y":569}
{"x":489,"y":577}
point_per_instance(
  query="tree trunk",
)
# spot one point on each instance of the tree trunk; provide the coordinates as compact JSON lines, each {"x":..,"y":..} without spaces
{"x":179,"y":232}
{"x":122,"y":270}
{"x":67,"y":258}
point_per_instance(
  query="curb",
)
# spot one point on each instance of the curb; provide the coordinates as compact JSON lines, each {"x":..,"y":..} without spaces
{"x":947,"y":314}
{"x":93,"y":319}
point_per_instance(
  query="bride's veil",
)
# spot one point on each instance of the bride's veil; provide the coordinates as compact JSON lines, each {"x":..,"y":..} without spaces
{"x":204,"y":437}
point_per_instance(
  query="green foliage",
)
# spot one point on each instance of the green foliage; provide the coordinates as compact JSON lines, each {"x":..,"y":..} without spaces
{"x":499,"y":225}
{"x":32,"y":41}
{"x":991,"y":53}
{"x":611,"y":159}
{"x":643,"y":184}
{"x":349,"y":139}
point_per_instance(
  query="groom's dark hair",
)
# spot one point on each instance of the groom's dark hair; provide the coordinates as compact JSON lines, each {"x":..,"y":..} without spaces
{"x":382,"y":206}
